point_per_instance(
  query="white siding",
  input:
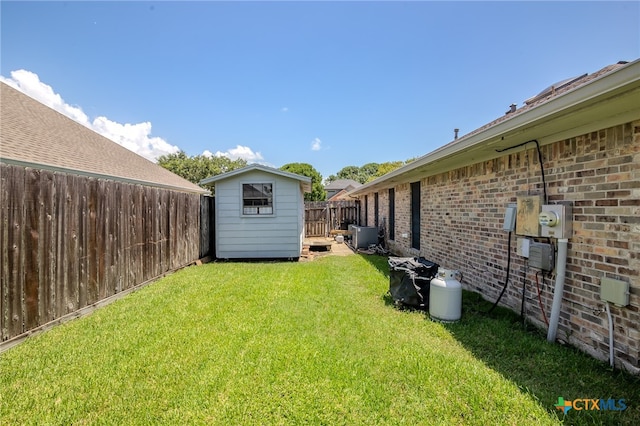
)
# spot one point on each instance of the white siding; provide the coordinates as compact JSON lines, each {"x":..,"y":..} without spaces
{"x":265,"y":236}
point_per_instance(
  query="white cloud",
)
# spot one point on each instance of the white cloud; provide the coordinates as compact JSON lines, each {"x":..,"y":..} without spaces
{"x":316,"y":144}
{"x":239,"y":151}
{"x":284,"y":109}
{"x":135,"y":137}
{"x":29,"y":83}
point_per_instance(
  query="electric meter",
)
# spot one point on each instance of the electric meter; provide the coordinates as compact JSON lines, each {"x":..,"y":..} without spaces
{"x":556,"y":220}
{"x":548,"y":219}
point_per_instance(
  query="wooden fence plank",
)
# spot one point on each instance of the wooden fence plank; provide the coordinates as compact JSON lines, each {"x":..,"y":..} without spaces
{"x":153,"y":235}
{"x":163,"y":224}
{"x":159,"y":230}
{"x":61,"y":240}
{"x":126,"y":237}
{"x":192,"y":230}
{"x":145,"y":255}
{"x":132,"y":245}
{"x":110,"y":281}
{"x":91,"y":249}
{"x":118,"y":229}
{"x":13,"y":310}
{"x":147,"y":248}
{"x":178,"y":228}
{"x":4,"y":249}
{"x":137,"y":248}
{"x":79,"y":257}
{"x":172,"y":227}
{"x":16,"y":242}
{"x":74,"y":225}
{"x":46,"y":252}
{"x":32,"y":237}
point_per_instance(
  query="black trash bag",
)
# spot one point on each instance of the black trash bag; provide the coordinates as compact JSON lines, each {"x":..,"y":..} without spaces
{"x":409,"y":279}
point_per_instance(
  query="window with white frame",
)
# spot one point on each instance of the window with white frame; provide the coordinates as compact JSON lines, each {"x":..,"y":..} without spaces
{"x":257,"y":198}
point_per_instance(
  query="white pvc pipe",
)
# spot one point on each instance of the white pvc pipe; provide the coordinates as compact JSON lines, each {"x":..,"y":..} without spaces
{"x":561,"y":267}
{"x":606,"y":307}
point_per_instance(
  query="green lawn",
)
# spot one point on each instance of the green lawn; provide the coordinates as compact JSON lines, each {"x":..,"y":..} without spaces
{"x":297,"y":343}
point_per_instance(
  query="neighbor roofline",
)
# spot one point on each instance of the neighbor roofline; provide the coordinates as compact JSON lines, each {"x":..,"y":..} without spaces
{"x":608,"y":82}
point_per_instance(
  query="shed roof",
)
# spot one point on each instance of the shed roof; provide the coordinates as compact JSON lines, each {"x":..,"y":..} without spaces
{"x":603,"y":99}
{"x":305,"y":181}
{"x":34,"y":135}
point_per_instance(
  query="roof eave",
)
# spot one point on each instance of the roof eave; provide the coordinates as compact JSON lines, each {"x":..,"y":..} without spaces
{"x":626,"y":78}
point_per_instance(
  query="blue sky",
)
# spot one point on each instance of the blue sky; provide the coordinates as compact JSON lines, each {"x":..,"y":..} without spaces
{"x":327,"y":83}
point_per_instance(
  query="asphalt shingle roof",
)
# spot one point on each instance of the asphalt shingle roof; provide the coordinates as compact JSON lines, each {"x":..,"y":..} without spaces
{"x":343,"y":184}
{"x":545,"y":96}
{"x":31,"y":133}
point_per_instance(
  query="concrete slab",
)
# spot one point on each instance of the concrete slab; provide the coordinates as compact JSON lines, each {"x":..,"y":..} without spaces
{"x":336,"y":249}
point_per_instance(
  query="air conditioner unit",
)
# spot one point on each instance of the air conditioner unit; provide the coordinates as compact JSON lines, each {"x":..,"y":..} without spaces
{"x":363,"y":236}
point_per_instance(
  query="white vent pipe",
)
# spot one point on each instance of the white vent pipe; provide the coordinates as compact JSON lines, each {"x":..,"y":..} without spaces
{"x":561,"y":267}
{"x":611,"y":358}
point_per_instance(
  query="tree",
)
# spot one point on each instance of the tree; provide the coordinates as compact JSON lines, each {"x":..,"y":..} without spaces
{"x":367,"y":172}
{"x":387,"y":167}
{"x":317,"y":189}
{"x":198,"y":167}
{"x":349,"y":172}
{"x":359,"y":174}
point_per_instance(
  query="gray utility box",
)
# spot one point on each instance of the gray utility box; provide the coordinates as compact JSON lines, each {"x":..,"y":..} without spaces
{"x":541,"y":256}
{"x":363,"y":236}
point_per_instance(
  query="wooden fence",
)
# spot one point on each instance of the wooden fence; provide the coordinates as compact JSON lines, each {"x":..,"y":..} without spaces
{"x":70,"y":241}
{"x":323,"y":216}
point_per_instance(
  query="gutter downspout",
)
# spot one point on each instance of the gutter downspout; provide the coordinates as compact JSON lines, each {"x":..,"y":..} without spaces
{"x":561,"y":266}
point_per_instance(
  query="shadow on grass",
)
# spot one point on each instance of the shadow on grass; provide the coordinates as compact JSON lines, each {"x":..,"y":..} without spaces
{"x":381,"y":263}
{"x":545,"y":371}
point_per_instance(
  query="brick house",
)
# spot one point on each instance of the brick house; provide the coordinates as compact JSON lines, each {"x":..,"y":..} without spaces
{"x":449,"y":206}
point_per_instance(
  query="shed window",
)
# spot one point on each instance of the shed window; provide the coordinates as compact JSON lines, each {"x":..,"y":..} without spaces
{"x":257,"y":198}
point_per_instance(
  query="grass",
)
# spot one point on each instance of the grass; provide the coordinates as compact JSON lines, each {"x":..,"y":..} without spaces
{"x":297,"y":343}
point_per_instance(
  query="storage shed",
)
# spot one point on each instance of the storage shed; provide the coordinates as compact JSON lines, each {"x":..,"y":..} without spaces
{"x":259,"y":213}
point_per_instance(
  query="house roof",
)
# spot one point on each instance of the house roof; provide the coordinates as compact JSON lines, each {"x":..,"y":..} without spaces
{"x":34,"y":135}
{"x":343,"y":194}
{"x":342,"y":184}
{"x":305,"y":181}
{"x":581,"y":105}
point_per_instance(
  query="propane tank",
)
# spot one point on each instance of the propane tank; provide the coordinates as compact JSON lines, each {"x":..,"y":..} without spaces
{"x":445,"y":296}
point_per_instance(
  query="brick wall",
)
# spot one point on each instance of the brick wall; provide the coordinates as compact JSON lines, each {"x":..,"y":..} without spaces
{"x":383,"y":215}
{"x":462,"y":216}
